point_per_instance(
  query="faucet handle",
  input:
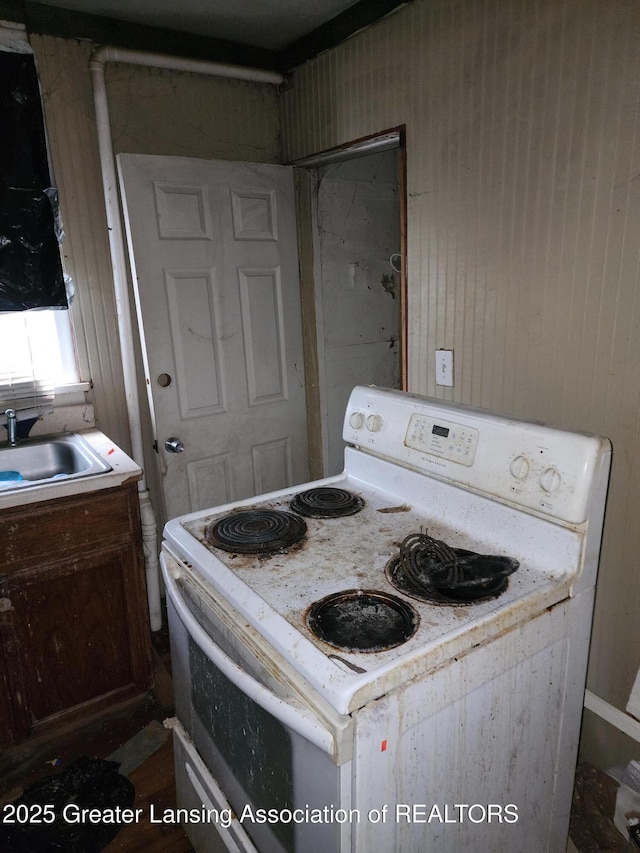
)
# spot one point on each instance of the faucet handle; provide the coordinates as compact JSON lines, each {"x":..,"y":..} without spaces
{"x":11,"y":426}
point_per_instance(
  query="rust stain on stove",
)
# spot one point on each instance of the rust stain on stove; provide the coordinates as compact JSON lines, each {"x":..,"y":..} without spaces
{"x":399,"y":508}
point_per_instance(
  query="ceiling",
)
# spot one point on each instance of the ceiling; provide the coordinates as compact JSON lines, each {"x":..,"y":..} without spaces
{"x":273,"y":24}
{"x":275,"y":34}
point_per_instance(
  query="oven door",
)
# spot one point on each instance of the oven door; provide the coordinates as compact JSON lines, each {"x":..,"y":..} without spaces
{"x":275,"y":756}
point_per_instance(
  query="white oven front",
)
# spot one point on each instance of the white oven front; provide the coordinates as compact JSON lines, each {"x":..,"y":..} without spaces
{"x":247,"y":741}
{"x":449,"y":761}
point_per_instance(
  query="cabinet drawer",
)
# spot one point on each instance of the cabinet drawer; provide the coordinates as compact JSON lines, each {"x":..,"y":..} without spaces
{"x":41,"y":532}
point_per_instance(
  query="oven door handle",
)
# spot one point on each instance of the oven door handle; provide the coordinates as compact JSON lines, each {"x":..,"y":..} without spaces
{"x":297,"y":719}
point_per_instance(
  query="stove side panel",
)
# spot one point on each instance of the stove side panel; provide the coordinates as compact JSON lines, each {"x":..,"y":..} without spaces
{"x":481,"y":755}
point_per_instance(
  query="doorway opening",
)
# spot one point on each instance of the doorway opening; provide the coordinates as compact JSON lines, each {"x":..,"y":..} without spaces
{"x":351,"y":220}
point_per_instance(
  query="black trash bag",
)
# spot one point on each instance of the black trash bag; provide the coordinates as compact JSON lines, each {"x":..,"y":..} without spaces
{"x":31,"y":273}
{"x":24,"y":161}
{"x":88,"y":783}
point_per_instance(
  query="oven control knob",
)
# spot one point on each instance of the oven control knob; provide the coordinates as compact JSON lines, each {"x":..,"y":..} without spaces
{"x":356,"y":420}
{"x":550,"y":480}
{"x":519,"y":467}
{"x":374,"y":423}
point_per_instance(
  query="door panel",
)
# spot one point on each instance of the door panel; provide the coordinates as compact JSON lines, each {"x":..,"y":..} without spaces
{"x":214,"y":259}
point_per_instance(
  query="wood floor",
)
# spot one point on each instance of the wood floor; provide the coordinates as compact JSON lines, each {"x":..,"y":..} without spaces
{"x":154,"y":784}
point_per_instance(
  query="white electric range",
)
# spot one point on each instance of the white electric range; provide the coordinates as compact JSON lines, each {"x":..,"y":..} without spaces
{"x":328,"y":668}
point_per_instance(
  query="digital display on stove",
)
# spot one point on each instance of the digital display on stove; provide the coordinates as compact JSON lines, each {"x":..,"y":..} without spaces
{"x":440,"y":430}
{"x":444,"y":439}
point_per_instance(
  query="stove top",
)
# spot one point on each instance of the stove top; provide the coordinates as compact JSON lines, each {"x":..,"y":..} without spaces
{"x":277,"y":592}
{"x":477,"y":482}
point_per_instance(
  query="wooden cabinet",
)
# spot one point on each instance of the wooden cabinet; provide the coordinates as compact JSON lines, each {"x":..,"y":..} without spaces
{"x":74,"y":626}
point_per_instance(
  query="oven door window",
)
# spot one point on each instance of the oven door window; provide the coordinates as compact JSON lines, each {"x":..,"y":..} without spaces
{"x":248,"y":739}
{"x":261,"y":745}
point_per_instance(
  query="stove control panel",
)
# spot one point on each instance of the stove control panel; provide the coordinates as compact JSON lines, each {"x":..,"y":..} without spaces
{"x":533,"y":465}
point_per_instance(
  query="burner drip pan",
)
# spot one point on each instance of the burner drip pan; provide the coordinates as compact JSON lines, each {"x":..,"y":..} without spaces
{"x":326,"y":502}
{"x":260,"y":531}
{"x":360,"y":620}
{"x":476,"y":594}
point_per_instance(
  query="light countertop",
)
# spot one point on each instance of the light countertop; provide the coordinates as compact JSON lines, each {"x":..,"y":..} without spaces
{"x":123,"y":470}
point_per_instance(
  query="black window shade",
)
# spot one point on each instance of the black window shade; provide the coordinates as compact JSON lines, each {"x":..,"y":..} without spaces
{"x":31,"y":273}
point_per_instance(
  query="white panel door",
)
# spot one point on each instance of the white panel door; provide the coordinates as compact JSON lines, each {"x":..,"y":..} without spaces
{"x":213,"y":251}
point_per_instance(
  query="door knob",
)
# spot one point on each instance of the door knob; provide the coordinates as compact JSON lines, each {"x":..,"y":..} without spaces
{"x":174,"y":445}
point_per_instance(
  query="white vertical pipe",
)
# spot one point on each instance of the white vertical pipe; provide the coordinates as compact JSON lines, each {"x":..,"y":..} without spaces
{"x":123,"y":309}
{"x":119,"y":263}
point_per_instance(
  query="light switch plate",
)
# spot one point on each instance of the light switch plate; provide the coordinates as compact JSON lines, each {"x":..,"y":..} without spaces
{"x":444,"y":367}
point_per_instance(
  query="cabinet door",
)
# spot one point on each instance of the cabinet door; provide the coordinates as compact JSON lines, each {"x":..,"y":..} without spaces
{"x":66,"y":636}
{"x":8,"y":706}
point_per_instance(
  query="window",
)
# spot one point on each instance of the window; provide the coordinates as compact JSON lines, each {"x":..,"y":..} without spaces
{"x":38,"y":353}
{"x":38,"y":356}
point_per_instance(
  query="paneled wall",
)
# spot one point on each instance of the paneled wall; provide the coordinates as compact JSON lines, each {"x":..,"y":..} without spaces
{"x":523,"y":165}
{"x":68,"y":103}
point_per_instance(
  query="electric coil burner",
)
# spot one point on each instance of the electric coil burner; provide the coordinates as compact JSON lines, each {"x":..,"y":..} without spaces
{"x":260,"y":531}
{"x":447,"y":595}
{"x":430,"y":570}
{"x":326,"y":502}
{"x":363,"y":620}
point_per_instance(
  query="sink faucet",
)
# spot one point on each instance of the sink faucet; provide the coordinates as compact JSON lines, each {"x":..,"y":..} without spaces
{"x":11,"y":427}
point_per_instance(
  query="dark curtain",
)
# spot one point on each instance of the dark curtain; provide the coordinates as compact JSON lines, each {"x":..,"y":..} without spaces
{"x":30,"y":267}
